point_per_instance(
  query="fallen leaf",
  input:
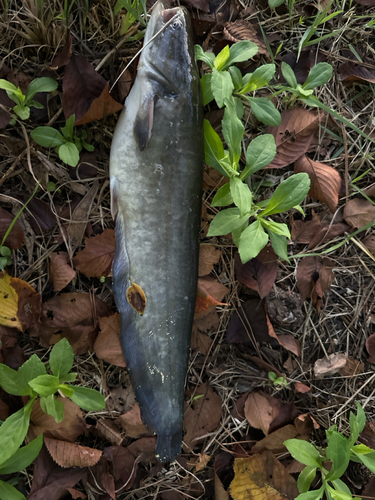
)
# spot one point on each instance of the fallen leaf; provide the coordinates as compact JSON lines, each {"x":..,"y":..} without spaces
{"x":132,"y":423}
{"x":353,"y":71}
{"x":241,"y":29}
{"x":16,"y":236}
{"x":369,"y":242}
{"x":352,"y":367}
{"x":248,"y":324}
{"x":8,"y":336}
{"x":220,"y":492}
{"x":275,"y":442}
{"x":108,"y":430}
{"x":96,"y":259}
{"x":223,"y":468}
{"x":42,"y":218}
{"x":262,"y":477}
{"x":208,"y":321}
{"x":13,"y":357}
{"x":293,"y":136}
{"x":259,"y":274}
{"x":302,"y":65}
{"x":325,"y":181}
{"x":314,"y":277}
{"x":60,"y":272}
{"x":202,"y":416}
{"x":370,"y":346}
{"x":359,"y":212}
{"x":8,"y":303}
{"x":200,"y":342}
{"x":124,"y":83}
{"x":63,"y":57}
{"x":68,"y":454}
{"x":368,"y":435}
{"x":76,"y":493}
{"x":313,"y":232}
{"x":261,"y":409}
{"x":210,"y":293}
{"x":202,"y":462}
{"x":107,"y":345}
{"x":209,"y":255}
{"x":143,"y":449}
{"x":101,"y":107}
{"x":329,"y":366}
{"x":302,"y":388}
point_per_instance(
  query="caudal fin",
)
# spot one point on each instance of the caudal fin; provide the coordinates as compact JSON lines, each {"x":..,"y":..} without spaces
{"x":168,"y":446}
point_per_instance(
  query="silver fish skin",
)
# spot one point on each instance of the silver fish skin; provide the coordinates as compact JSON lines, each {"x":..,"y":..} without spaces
{"x":156,"y":169}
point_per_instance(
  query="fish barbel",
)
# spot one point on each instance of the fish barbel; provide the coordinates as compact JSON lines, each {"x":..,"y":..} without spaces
{"x":156,"y":168}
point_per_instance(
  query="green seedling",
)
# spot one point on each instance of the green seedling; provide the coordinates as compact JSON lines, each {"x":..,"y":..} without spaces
{"x":33,"y":381}
{"x":278,"y":382}
{"x":339,"y":452}
{"x":23,"y":102}
{"x":67,"y":145}
{"x":136,"y":10}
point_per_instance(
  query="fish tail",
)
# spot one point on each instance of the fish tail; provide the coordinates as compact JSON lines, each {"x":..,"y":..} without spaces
{"x":168,"y":445}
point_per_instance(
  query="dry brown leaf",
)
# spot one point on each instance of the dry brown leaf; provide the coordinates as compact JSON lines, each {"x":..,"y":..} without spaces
{"x":261,"y":409}
{"x":220,"y":492}
{"x":325,"y":181}
{"x":275,"y":442}
{"x":352,"y":367}
{"x":262,"y":477}
{"x":63,"y":57}
{"x":249,"y":324}
{"x":314,"y":277}
{"x":207,"y":322}
{"x":300,"y":387}
{"x":305,"y":231}
{"x":96,"y":259}
{"x":16,"y":236}
{"x":353,"y":71}
{"x":288,"y":341}
{"x":209,"y":295}
{"x":359,"y":212}
{"x":203,"y":415}
{"x":259,"y":274}
{"x":68,"y":454}
{"x":293,"y":136}
{"x":200,"y":342}
{"x":369,"y":243}
{"x":107,"y":345}
{"x":108,"y":430}
{"x":76,"y":493}
{"x":132,"y":423}
{"x":101,"y":107}
{"x":60,"y":272}
{"x":329,"y":366}
{"x":242,"y":29}
{"x":209,"y":255}
{"x":8,"y":303}
{"x":370,"y":346}
{"x":203,"y":460}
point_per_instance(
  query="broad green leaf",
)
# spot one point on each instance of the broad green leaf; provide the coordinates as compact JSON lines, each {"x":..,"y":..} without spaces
{"x":233,"y":131}
{"x":36,"y":104}
{"x":61,"y":358}
{"x":88,"y":147}
{"x":252,"y":240}
{"x":259,"y":78}
{"x":69,"y":154}
{"x":22,"y":111}
{"x":222,"y":58}
{"x":31,"y":369}
{"x":23,"y":457}
{"x":241,"y":51}
{"x":238,"y":104}
{"x":213,"y":147}
{"x":312,"y":495}
{"x":223,"y":197}
{"x":206,"y":57}
{"x":45,"y":385}
{"x":10,"y":382}
{"x":47,"y":137}
{"x":236,"y":234}
{"x":226,"y":221}
{"x":275,"y":3}
{"x":17,"y":96}
{"x":288,"y":194}
{"x":53,"y":407}
{"x":305,"y":478}
{"x":241,"y":195}
{"x":5,"y":85}
{"x":338,"y":452}
{"x":362,"y":449}
{"x":275,"y":227}
{"x":236,"y":75}
{"x":9,"y":492}
{"x":304,"y":452}
{"x":354,"y":429}
{"x":221,"y":86}
{"x":340,"y":485}
{"x":368,"y":460}
{"x":260,"y":152}
{"x":68,"y":130}
{"x":338,"y":495}
{"x":289,"y":75}
{"x":88,"y":399}
{"x":69,"y":377}
{"x":361,"y":417}
{"x":206,"y":89}
{"x":227,"y":166}
{"x":319,"y":74}
{"x":67,"y":390}
{"x":13,"y":431}
{"x":264,"y":110}
{"x":43,"y":84}
{"x":279,"y":244}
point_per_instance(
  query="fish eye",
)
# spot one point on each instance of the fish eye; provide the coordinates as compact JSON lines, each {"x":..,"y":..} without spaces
{"x":177,"y":24}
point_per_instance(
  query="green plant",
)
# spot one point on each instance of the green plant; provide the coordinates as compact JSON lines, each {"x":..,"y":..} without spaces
{"x":21,"y":459}
{"x":136,"y":11}
{"x":32,"y":380}
{"x":23,"y":102}
{"x":67,"y":144}
{"x":339,"y":452}
{"x":278,"y":382}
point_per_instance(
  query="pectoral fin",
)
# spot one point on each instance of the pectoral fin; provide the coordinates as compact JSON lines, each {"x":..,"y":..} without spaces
{"x":144,"y":121}
{"x":114,"y":206}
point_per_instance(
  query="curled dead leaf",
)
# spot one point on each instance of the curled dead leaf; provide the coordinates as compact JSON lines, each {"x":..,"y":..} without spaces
{"x":261,"y":409}
{"x":68,"y":454}
{"x":329,"y":366}
{"x":60,"y":272}
{"x":259,"y":274}
{"x":314,"y":277}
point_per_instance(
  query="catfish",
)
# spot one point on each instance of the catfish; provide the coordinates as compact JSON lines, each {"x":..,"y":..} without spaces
{"x":156,"y":170}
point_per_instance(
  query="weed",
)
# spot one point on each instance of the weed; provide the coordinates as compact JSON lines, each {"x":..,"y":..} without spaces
{"x":339,"y":452}
{"x":278,"y":382}
{"x":136,"y":11}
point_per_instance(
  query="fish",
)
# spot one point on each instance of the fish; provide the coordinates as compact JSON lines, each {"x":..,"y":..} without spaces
{"x":156,"y":172}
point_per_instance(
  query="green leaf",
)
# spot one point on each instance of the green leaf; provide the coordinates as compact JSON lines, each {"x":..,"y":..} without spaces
{"x":338,"y":451}
{"x":226,"y":221}
{"x":206,"y":89}
{"x":319,"y":74}
{"x":312,"y":495}
{"x":69,"y":154}
{"x":22,"y":111}
{"x":23,"y":457}
{"x":69,"y":377}
{"x":259,"y":78}
{"x":340,"y":485}
{"x":223,"y":197}
{"x":236,"y":75}
{"x":236,"y":234}
{"x":47,"y":137}
{"x":67,"y":390}
{"x":206,"y":57}
{"x":88,"y":399}
{"x":304,"y":452}
{"x":11,"y":383}
{"x":13,"y":431}
{"x":260,"y":152}
{"x":252,"y":240}
{"x":36,"y":104}
{"x":338,"y":495}
{"x":239,"y":106}
{"x":264,"y":110}
{"x":221,"y":86}
{"x":275,"y":3}
{"x":361,"y":417}
{"x":9,"y":492}
{"x":5,"y":85}
{"x":289,"y":75}
{"x":222,"y":58}
{"x":43,"y":84}
{"x":241,"y":195}
{"x":305,"y":478}
{"x":279,"y":244}
{"x":241,"y":51}
{"x":53,"y":407}
{"x":213,"y":148}
{"x":367,"y":459}
{"x":61,"y":358}
{"x":288,"y":194}
{"x":88,"y":147}
{"x":45,"y":385}
{"x":31,"y":369}
{"x":275,"y":227}
{"x":68,"y":130}
{"x":233,"y":131}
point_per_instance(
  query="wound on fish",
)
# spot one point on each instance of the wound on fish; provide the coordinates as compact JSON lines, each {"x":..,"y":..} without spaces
{"x":136,"y":298}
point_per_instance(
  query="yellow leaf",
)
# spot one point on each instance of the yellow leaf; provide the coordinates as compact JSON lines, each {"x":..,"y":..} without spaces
{"x":8,"y":303}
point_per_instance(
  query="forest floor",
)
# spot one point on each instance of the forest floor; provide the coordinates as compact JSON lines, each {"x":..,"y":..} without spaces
{"x":309,"y":321}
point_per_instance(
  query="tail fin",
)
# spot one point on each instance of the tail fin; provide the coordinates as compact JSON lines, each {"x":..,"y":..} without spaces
{"x":168,"y":446}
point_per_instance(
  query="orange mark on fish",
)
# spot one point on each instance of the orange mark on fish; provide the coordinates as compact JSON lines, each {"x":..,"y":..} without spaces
{"x":136,"y":298}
